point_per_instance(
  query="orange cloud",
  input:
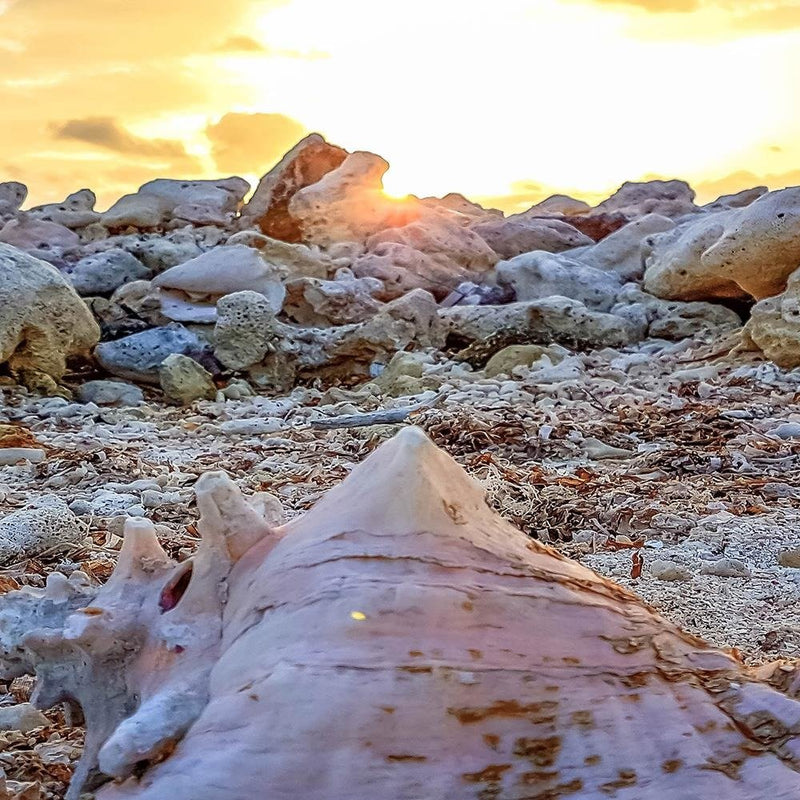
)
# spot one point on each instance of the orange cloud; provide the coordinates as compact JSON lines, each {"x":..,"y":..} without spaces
{"x":108,"y":133}
{"x":241,"y":44}
{"x":252,"y":143}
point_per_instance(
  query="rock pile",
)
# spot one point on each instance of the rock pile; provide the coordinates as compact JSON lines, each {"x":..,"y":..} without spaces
{"x":301,"y":278}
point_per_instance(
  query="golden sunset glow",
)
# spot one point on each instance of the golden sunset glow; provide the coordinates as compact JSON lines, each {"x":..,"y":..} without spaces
{"x":505,"y":102}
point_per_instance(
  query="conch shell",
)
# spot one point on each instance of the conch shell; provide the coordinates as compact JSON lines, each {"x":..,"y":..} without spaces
{"x":402,"y":641}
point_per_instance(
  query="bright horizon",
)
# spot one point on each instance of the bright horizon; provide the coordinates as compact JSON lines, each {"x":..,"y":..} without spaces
{"x":506,"y":102}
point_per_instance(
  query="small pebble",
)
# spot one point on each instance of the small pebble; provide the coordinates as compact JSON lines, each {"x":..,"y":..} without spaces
{"x":727,"y":568}
{"x":669,"y":571}
{"x":790,"y":558}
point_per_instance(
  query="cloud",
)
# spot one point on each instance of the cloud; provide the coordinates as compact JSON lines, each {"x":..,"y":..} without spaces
{"x":249,"y":143}
{"x":723,"y":18}
{"x":241,"y":44}
{"x":655,"y":6}
{"x":743,"y":179}
{"x":108,"y":133}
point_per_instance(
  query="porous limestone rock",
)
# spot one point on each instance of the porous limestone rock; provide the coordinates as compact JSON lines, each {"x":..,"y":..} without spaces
{"x":535,"y":275}
{"x":138,"y":357}
{"x":137,"y":301}
{"x":183,"y":380}
{"x":435,"y":254}
{"x":522,"y":234}
{"x":45,"y":240}
{"x":559,"y":205}
{"x":142,"y":211}
{"x":673,"y":319}
{"x":403,"y":375}
{"x":206,"y":202}
{"x":398,"y":640}
{"x":736,"y":200}
{"x":318,"y":303}
{"x":12,"y":196}
{"x":625,"y":251}
{"x":159,"y":253}
{"x":551,"y":319}
{"x":44,"y":524}
{"x":190,"y":291}
{"x":76,"y":211}
{"x":102,"y":273}
{"x":349,"y":204}
{"x":774,"y":325}
{"x":294,"y":260}
{"x":42,"y":320}
{"x":244,"y":329}
{"x":671,"y":199}
{"x":740,"y":253}
{"x":458,"y":203}
{"x":306,"y":163}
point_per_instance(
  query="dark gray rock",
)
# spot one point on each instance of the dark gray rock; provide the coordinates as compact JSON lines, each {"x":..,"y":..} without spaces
{"x":102,"y":273}
{"x":139,"y":356}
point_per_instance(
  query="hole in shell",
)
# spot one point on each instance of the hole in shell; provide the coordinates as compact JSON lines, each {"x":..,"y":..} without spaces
{"x":176,"y":588}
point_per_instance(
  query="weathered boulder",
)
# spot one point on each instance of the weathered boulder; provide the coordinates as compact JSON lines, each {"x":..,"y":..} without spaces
{"x":551,"y":319}
{"x":305,"y":164}
{"x":668,"y":198}
{"x":138,"y":300}
{"x":409,"y":321}
{"x":673,"y":319}
{"x":205,"y":202}
{"x":522,"y":234}
{"x":559,"y":205}
{"x":138,"y":357}
{"x":625,"y":250}
{"x":318,"y":303}
{"x":12,"y":196}
{"x":736,"y":200}
{"x":159,"y":253}
{"x":183,"y":380}
{"x":740,"y":253}
{"x":190,"y":290}
{"x":45,"y":240}
{"x":244,"y":329}
{"x":76,"y":211}
{"x":535,"y":275}
{"x":436,"y":254}
{"x":102,"y":273}
{"x":774,"y":325}
{"x":458,"y":203}
{"x":138,"y":210}
{"x":42,"y":319}
{"x":294,"y":259}
{"x":348,"y":351}
{"x":349,"y":204}
{"x":598,"y":224}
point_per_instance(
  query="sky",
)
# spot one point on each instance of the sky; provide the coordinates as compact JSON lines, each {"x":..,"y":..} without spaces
{"x":505,"y":101}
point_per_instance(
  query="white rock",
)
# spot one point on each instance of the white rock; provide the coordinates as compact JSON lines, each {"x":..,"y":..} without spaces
{"x":11,"y":455}
{"x":44,"y":524}
{"x":22,"y":717}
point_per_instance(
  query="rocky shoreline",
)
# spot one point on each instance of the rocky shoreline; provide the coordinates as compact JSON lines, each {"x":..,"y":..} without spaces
{"x":622,"y":379}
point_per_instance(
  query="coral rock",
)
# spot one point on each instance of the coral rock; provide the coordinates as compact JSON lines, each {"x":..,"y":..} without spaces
{"x":306,"y":163}
{"x":740,"y":253}
{"x":42,"y":319}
